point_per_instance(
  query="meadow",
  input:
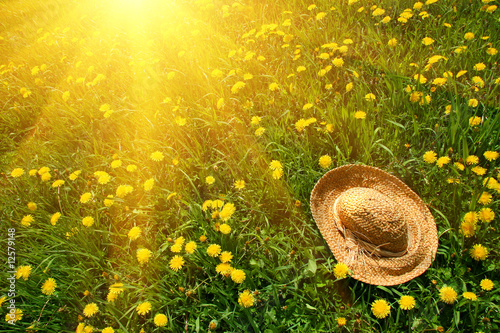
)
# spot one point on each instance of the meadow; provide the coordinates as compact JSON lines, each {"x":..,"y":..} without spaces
{"x":157,"y":159}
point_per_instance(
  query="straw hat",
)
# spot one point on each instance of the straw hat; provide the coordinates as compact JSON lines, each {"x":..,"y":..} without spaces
{"x":374,"y":224}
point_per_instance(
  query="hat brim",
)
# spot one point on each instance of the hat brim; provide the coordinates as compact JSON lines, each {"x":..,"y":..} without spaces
{"x":372,"y":269}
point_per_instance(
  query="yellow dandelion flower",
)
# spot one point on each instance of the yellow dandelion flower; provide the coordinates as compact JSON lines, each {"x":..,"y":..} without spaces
{"x":108,"y":330}
{"x":190,"y":247}
{"x":116,"y":164}
{"x":487,"y":284}
{"x":468,"y":228}
{"x":134,"y":233}
{"x":471,"y":160}
{"x":239,"y":184}
{"x":470,"y":296}
{"x":160,"y":320}
{"x":430,"y":157}
{"x":443,"y":160}
{"x":102,"y":177}
{"x":381,"y":308}
{"x":225,"y":228}
{"x":479,"y":170}
{"x":88,"y":221}
{"x":131,"y":168}
{"x":246,"y":299}
{"x":90,"y":310}
{"x":23,"y":272}
{"x":176,"y":263}
{"x":491,"y":155}
{"x":448,"y":295}
{"x":144,"y":308}
{"x":143,"y":255}
{"x":471,"y":217}
{"x":238,"y":275}
{"x":427,"y":41}
{"x":32,"y":206}
{"x":469,"y":36}
{"x":157,"y":156}
{"x":85,"y":197}
{"x":479,"y":66}
{"x":108,"y":202}
{"x":407,"y":302}
{"x":338,"y":62}
{"x":360,"y":115}
{"x":49,"y":286}
{"x":325,"y":161}
{"x":274,"y":86}
{"x":27,"y":219}
{"x":58,"y":183}
{"x":370,"y":97}
{"x":214,"y":250}
{"x":278,"y":173}
{"x":340,"y":270}
{"x":226,"y":256}
{"x":486,"y":214}
{"x":209,"y":180}
{"x":54,"y":218}
{"x":14,"y":317}
{"x":123,"y":190}
{"x":473,"y":102}
{"x":46,"y":177}
{"x":148,"y":184}
{"x":479,"y":252}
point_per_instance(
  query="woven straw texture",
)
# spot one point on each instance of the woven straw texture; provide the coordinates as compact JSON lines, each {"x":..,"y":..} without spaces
{"x":375,"y":224}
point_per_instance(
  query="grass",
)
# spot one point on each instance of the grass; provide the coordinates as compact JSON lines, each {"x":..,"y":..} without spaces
{"x":84,"y":84}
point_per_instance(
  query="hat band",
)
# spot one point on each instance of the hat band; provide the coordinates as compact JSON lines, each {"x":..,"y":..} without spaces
{"x":354,"y":243}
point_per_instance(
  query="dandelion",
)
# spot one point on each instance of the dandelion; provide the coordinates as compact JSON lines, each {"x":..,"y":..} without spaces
{"x":277,"y":174}
{"x":492,"y":51}
{"x":473,"y":102}
{"x":102,"y":177}
{"x":471,"y":160}
{"x":123,"y":190}
{"x":90,"y":310}
{"x":160,"y":320}
{"x":108,"y":202}
{"x":88,"y":221}
{"x":325,"y":161}
{"x":386,"y":19}
{"x":190,"y":247}
{"x":65,"y":96}
{"x":238,"y":275}
{"x":338,"y":62}
{"x":273,"y":86}
{"x":23,"y":272}
{"x":227,"y":211}
{"x":380,"y":308}
{"x":448,"y":295}
{"x":49,"y":286}
{"x":392,"y":42}
{"x":85,"y":197}
{"x":246,"y":299}
{"x":58,"y":183}
{"x":46,"y":177}
{"x":134,"y":233}
{"x":468,"y":228}
{"x":480,"y":171}
{"x":131,"y":168}
{"x":491,"y":9}
{"x":143,"y":255}
{"x":378,"y":12}
{"x":16,"y":316}
{"x":32,"y":206}
{"x":486,"y":284}
{"x":116,"y":164}
{"x":469,"y":36}
{"x":108,"y":330}
{"x":157,"y":156}
{"x":407,"y":302}
{"x":214,"y":250}
{"x":209,"y":180}
{"x":148,"y":184}
{"x":491,"y":155}
{"x":225,"y":229}
{"x":340,"y":270}
{"x":255,"y":120}
{"x":54,"y":218}
{"x":427,"y":41}
{"x":176,"y":263}
{"x":370,"y":97}
{"x":176,"y":248}
{"x":471,"y":217}
{"x":443,"y":160}
{"x":479,"y":252}
{"x":360,"y":115}
{"x":486,"y":214}
{"x":143,"y":308}
{"x":469,"y":295}
{"x":259,"y":131}
{"x":430,"y":157}
{"x":239,"y":184}
{"x":485,"y":198}
{"x":27,"y":219}
{"x":341,"y":321}
{"x":479,"y":66}
{"x":275,"y":164}
{"x":349,"y":86}
{"x":226,"y":256}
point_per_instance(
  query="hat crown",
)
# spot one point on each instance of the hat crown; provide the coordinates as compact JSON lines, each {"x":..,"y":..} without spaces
{"x":374,"y":218}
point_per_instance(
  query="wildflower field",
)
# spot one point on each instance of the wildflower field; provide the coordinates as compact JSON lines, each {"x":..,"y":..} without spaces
{"x":157,"y":159}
